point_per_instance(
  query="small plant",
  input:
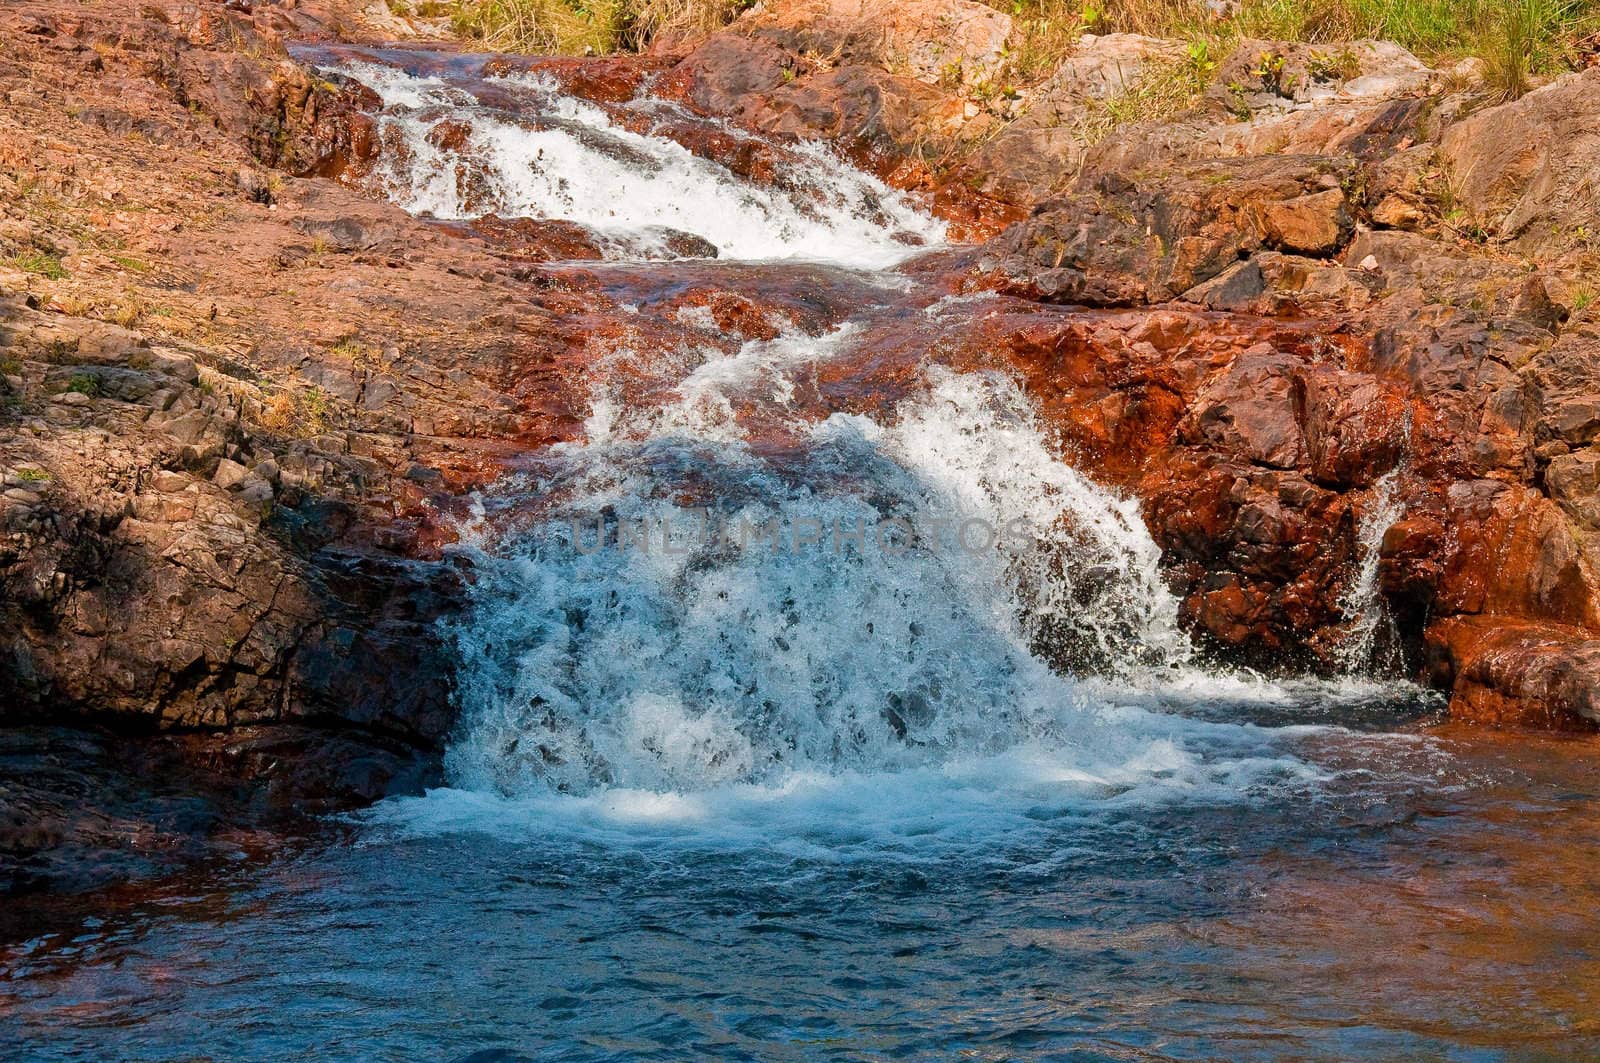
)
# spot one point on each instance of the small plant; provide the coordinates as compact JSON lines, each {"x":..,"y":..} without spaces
{"x":1238,"y":101}
{"x":32,"y":475}
{"x":1201,"y":63}
{"x":132,"y":265}
{"x":84,"y":384}
{"x":128,"y":312}
{"x":72,"y":305}
{"x":1273,"y":70}
{"x":304,"y":413}
{"x":40,"y":264}
{"x":1583,"y":299}
{"x":10,"y":365}
{"x":1467,"y":227}
{"x":1045,"y":32}
{"x":587,"y":27}
{"x":1338,"y":66}
{"x":1163,"y":89}
{"x":351,"y":348}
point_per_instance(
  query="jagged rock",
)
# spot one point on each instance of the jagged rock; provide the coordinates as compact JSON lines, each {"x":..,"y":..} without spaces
{"x":1509,"y":673}
{"x":1566,"y":388}
{"x":1527,"y":168}
{"x":1249,"y":410}
{"x":1114,"y":243}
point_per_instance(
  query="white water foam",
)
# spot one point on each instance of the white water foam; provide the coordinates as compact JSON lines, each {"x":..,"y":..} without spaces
{"x":969,"y":806}
{"x":1362,"y":601}
{"x":735,"y":662}
{"x":570,"y":161}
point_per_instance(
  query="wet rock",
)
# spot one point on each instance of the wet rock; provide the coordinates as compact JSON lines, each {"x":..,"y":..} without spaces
{"x":1515,"y":555}
{"x":1355,"y":425}
{"x":1518,"y":674}
{"x":1249,"y":410}
{"x":81,"y":809}
{"x":679,"y":244}
{"x":533,"y":239}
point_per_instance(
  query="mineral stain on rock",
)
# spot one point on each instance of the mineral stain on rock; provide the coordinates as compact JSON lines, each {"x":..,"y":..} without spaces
{"x":246,"y":400}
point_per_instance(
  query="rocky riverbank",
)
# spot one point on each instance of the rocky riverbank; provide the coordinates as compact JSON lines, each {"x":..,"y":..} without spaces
{"x":245,"y":400}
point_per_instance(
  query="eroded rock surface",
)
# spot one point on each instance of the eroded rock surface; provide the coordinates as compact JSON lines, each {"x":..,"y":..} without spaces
{"x":243,"y":399}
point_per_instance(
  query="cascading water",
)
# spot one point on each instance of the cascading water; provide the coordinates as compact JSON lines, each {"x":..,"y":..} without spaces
{"x":1362,"y":600}
{"x":680,"y":604}
{"x":871,"y":605}
{"x":550,"y":155}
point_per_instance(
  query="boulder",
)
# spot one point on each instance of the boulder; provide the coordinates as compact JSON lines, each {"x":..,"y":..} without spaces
{"x":934,"y":41}
{"x":1509,"y":673}
{"x":1527,"y":168}
{"x":1114,"y":242}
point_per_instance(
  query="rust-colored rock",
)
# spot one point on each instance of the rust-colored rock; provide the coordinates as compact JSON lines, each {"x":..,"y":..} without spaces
{"x":1507,"y":673}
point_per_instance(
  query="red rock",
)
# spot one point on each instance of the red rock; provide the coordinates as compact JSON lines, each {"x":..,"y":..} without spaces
{"x":1509,"y":673}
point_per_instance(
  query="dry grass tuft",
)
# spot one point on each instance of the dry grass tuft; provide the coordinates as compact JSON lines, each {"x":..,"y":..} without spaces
{"x":588,"y":27}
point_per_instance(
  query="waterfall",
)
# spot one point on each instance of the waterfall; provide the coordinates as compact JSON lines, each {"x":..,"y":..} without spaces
{"x":834,"y":618}
{"x":1362,"y":600}
{"x":543,"y":154}
{"x":722,"y":586}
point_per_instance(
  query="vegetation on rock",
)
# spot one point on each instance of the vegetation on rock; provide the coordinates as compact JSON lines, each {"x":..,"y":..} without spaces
{"x":1516,"y":39}
{"x":587,"y":27}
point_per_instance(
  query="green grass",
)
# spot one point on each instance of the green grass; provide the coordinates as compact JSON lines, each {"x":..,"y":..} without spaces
{"x":1516,"y":39}
{"x":40,"y":264}
{"x":1527,"y":39}
{"x":1164,"y":87}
